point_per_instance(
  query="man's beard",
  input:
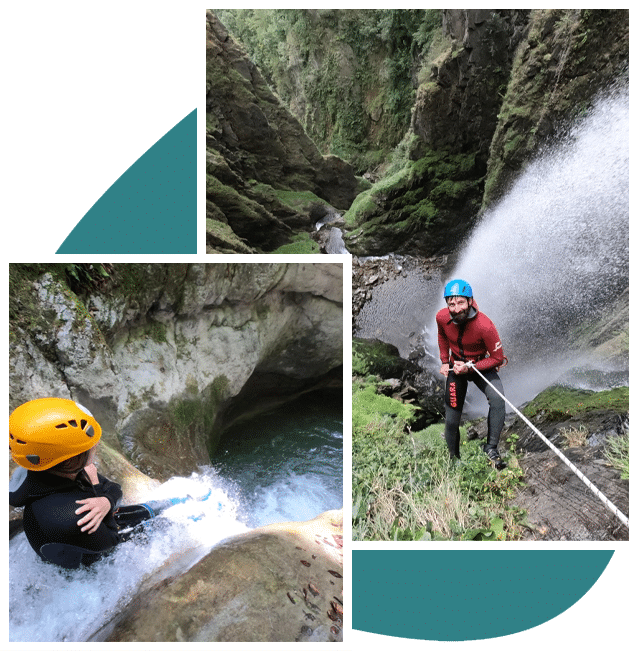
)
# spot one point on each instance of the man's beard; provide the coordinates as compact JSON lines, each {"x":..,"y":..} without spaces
{"x":460,"y":317}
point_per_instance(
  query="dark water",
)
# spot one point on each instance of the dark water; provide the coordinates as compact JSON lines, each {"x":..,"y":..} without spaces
{"x":286,"y":464}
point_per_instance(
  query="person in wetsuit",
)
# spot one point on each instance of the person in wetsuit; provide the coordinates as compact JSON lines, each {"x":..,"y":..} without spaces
{"x":466,"y":334}
{"x":70,"y":511}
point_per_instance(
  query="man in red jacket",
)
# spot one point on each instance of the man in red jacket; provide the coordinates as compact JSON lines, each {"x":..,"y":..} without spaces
{"x":465,"y":334}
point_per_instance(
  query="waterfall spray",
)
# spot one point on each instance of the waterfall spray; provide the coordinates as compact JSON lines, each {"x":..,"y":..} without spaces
{"x":554,"y":252}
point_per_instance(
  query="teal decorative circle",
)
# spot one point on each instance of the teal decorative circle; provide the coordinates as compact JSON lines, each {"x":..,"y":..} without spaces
{"x":152,"y":207}
{"x":467,"y":595}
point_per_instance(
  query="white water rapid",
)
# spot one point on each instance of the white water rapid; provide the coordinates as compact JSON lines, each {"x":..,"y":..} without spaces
{"x":285,"y":465}
{"x":48,"y":604}
{"x":555,"y":250}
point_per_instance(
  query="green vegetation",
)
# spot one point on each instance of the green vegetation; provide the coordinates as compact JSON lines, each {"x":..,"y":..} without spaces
{"x":300,"y":201}
{"x":425,"y":195}
{"x":406,"y":488}
{"x":375,"y":358}
{"x":346,"y":74}
{"x":558,"y":403}
{"x":196,"y":416}
{"x":220,"y":238}
{"x":299,"y":244}
{"x":76,"y":280}
{"x":617,"y":453}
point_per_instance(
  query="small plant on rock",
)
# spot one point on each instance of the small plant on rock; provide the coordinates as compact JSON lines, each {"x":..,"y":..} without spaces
{"x":574,"y":437}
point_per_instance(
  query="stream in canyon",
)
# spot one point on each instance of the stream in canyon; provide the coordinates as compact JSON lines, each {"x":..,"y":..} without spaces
{"x":552,"y":255}
{"x":282,"y":466}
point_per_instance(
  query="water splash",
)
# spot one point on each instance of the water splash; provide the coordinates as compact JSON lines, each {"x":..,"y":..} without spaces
{"x":49,"y":604}
{"x":286,"y":465}
{"x":551,"y":255}
{"x":554,"y":252}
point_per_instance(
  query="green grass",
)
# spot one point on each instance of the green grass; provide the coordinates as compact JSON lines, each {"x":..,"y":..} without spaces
{"x":617,"y":453}
{"x":301,"y":243}
{"x":558,"y":402}
{"x":405,"y":487}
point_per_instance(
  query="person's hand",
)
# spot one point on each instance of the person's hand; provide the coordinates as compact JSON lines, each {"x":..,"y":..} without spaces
{"x":460,"y":368}
{"x":444,"y":370}
{"x":96,"y":509}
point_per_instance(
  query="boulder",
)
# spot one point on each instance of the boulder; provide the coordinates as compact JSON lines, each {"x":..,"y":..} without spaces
{"x":279,"y":583}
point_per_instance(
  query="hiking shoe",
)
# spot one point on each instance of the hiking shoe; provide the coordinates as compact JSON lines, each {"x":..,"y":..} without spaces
{"x":496,"y":460}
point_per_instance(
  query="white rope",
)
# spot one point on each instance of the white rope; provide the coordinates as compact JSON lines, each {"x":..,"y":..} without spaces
{"x":615,"y":510}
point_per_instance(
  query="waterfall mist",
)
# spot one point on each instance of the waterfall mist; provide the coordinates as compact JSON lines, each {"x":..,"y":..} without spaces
{"x":554,"y":252}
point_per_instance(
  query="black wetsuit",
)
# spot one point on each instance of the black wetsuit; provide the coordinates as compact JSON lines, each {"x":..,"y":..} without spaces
{"x":455,"y":391}
{"x":49,"y":512}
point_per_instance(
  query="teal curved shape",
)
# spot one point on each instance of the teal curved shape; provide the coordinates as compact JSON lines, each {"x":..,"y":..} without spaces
{"x":467,"y":595}
{"x":152,"y":207}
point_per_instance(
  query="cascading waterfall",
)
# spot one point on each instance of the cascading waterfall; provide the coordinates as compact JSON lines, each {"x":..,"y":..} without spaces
{"x":554,"y":252}
{"x":48,"y":604}
{"x":285,"y":465}
{"x":551,"y":255}
{"x":334,"y":240}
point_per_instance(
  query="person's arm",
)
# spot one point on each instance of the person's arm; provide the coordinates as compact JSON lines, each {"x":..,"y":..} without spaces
{"x":58,"y":522}
{"x":444,"y":349}
{"x":95,"y":509}
{"x":494,"y":348}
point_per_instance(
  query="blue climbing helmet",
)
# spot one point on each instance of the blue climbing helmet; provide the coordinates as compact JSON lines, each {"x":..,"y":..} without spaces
{"x":458,"y":287}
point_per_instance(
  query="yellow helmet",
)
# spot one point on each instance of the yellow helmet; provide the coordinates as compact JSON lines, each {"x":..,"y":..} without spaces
{"x":46,"y":431}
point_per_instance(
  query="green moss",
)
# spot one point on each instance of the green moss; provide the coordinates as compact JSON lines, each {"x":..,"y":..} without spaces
{"x":298,"y":200}
{"x":157,"y":331}
{"x":375,"y":357}
{"x":368,"y":408}
{"x":362,"y":207}
{"x":300,"y":244}
{"x":559,"y":402}
{"x":419,"y":196}
{"x":196,"y":416}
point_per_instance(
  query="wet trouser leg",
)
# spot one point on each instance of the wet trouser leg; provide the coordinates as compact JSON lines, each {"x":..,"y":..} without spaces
{"x":129,"y":517}
{"x":496,"y":413}
{"x":455,"y":391}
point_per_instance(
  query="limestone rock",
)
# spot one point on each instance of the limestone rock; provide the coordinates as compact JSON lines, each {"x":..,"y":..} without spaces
{"x":280,"y":583}
{"x":164,"y":350}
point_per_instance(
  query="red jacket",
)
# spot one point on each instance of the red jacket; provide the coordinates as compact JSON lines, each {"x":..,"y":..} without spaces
{"x":475,"y":340}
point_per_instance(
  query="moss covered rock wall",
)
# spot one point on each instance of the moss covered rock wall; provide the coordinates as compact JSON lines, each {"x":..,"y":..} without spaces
{"x":254,"y":150}
{"x":159,"y":352}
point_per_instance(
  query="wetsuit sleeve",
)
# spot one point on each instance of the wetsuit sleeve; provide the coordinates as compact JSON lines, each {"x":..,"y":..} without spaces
{"x":109,"y":489}
{"x":493,"y":347}
{"x":55,"y":520}
{"x":444,"y":344}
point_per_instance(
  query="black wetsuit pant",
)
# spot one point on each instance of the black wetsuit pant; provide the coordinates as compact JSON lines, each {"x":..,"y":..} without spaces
{"x":128,"y":517}
{"x":455,"y":392}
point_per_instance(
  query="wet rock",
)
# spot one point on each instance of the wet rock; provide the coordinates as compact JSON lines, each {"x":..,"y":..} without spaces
{"x":280,"y":583}
{"x":559,"y":504}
